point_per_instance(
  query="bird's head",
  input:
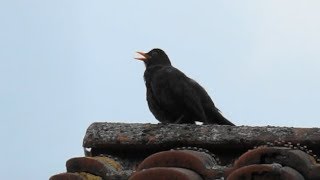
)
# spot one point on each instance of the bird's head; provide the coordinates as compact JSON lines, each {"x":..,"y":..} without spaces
{"x":154,"y":57}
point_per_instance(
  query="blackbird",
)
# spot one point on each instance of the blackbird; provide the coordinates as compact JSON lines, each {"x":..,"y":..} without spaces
{"x":172,"y":96}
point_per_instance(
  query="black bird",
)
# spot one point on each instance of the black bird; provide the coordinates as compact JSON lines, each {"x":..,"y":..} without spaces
{"x":172,"y":96}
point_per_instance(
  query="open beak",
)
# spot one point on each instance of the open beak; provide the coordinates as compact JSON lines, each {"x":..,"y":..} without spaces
{"x":142,"y":56}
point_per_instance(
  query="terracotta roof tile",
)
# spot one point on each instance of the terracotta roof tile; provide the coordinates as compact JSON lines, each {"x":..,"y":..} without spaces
{"x":163,"y":173}
{"x":75,"y":176}
{"x":200,"y":162}
{"x":100,"y":166}
{"x":285,"y":156}
{"x":265,"y":172}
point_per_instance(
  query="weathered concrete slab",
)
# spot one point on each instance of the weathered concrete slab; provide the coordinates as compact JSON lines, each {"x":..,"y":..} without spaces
{"x":122,"y":137}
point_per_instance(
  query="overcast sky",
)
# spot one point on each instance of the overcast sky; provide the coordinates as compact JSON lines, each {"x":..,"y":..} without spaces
{"x":68,"y":63}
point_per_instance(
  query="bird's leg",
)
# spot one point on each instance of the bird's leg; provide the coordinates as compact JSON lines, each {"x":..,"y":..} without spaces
{"x":178,"y":121}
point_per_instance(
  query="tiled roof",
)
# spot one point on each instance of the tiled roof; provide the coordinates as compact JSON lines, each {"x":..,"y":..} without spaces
{"x":198,"y":152}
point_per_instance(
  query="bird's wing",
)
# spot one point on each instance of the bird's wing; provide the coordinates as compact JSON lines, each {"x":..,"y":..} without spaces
{"x":213,"y":114}
{"x":154,"y":106}
{"x":172,"y":88}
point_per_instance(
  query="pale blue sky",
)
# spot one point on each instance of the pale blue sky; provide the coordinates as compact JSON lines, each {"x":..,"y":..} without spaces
{"x":66,"y":64}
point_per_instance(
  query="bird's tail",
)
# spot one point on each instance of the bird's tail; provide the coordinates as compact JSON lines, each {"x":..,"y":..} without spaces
{"x":217,"y":118}
{"x":224,"y":121}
